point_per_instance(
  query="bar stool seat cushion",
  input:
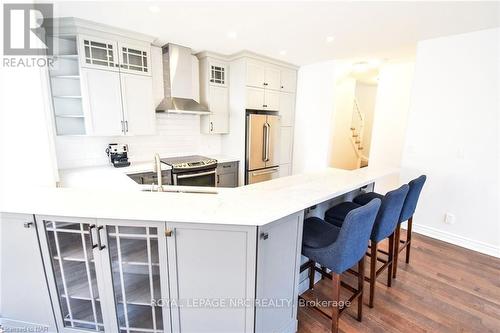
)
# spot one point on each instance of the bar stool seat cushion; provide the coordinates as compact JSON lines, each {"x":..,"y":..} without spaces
{"x":317,"y":233}
{"x":365,"y":198}
{"x":336,"y":215}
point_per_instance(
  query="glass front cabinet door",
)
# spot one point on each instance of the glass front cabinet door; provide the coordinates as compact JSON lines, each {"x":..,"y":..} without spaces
{"x":98,"y":53}
{"x":106,"y":275}
{"x":134,"y":59}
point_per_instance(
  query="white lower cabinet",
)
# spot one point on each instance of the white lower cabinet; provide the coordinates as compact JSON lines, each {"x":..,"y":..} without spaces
{"x":208,"y":265}
{"x":278,"y":264}
{"x":24,"y":299}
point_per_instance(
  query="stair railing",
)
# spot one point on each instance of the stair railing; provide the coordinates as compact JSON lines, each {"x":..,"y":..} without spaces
{"x":357,"y":129}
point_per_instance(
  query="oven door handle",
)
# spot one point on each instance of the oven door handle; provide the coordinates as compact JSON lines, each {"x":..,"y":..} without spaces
{"x":192,"y":175}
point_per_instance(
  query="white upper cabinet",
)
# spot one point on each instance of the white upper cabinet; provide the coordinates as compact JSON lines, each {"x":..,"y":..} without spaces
{"x":135,"y":58}
{"x":214,"y":93}
{"x":262,"y":75}
{"x":254,"y":99}
{"x":287,"y":108}
{"x":256,"y":74}
{"x":117,"y":104}
{"x":102,"y":102}
{"x":288,"y":80}
{"x":138,"y":109}
{"x":99,"y":53}
{"x":271,"y":100}
{"x":272,"y":78}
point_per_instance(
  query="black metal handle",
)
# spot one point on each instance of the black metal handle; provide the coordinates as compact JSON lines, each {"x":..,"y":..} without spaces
{"x":264,"y":235}
{"x":92,"y":226}
{"x":99,"y":228}
{"x":218,"y":179}
{"x":211,"y":126}
{"x":265,"y":83}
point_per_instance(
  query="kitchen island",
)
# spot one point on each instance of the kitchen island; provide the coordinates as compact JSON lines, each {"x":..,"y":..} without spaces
{"x":127,"y":260}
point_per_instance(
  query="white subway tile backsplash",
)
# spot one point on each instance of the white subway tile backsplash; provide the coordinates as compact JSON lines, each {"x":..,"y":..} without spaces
{"x":176,"y":135}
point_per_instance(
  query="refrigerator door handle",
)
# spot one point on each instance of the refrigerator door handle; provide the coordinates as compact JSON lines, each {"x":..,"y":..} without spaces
{"x":265,"y":172}
{"x":267,"y":131}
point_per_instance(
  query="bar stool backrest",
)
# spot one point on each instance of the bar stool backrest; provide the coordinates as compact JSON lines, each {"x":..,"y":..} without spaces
{"x":411,"y":200}
{"x":389,"y":212}
{"x":352,"y":241}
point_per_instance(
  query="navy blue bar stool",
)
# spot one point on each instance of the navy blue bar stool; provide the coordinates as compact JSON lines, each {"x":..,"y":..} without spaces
{"x":407,"y":212}
{"x":384,"y":227}
{"x":339,"y":249}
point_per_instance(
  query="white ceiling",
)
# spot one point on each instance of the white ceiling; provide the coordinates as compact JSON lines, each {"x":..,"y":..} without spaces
{"x":293,"y":31}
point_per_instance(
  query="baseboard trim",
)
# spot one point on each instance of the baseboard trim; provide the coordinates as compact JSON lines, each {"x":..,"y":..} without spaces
{"x":461,"y":241}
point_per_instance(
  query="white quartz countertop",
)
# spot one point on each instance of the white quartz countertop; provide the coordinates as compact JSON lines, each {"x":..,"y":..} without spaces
{"x":255,"y":204}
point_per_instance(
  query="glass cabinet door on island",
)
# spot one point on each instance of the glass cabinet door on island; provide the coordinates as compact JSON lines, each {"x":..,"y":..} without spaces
{"x":69,"y":247}
{"x":134,"y":259}
{"x":106,"y":275}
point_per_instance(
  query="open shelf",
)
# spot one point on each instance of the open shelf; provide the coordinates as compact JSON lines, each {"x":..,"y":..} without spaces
{"x":140,"y":319}
{"x":65,"y":87}
{"x":67,"y":56}
{"x":67,"y":96}
{"x":66,"y":77}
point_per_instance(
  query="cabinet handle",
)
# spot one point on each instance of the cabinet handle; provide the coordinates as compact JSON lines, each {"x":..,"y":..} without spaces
{"x":264,"y":106}
{"x":265,"y":83}
{"x":211,"y":126}
{"x":264,"y":236}
{"x":28,"y":225}
{"x":168,"y":232}
{"x":282,"y":87}
{"x":218,"y":179}
{"x":91,"y":228}
{"x":99,"y":228}
{"x":123,"y":126}
{"x":126,"y":126}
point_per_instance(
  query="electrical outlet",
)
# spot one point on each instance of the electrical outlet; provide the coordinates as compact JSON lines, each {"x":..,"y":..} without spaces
{"x":449,"y":218}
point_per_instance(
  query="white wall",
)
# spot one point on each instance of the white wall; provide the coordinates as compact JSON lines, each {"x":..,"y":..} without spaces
{"x":26,"y":147}
{"x":313,"y":117}
{"x":391,"y":118}
{"x":175,"y":135}
{"x":453,"y":138}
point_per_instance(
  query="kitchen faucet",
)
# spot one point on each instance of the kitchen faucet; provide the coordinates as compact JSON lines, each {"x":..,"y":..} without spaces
{"x":157,"y":169}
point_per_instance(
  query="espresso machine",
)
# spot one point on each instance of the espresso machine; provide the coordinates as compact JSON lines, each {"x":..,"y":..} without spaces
{"x":118,"y":155}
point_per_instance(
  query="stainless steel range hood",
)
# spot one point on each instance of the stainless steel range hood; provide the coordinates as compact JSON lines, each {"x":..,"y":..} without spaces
{"x":178,"y":78}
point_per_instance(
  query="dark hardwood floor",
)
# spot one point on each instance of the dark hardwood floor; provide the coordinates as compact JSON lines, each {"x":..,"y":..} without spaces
{"x":445,"y":288}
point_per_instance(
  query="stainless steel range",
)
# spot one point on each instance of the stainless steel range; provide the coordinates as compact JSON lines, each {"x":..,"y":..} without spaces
{"x":193,"y":170}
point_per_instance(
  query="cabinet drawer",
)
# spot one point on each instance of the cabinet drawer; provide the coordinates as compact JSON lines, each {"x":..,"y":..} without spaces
{"x":228,"y":167}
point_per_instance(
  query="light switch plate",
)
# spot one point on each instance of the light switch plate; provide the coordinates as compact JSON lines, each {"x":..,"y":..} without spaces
{"x":449,"y":218}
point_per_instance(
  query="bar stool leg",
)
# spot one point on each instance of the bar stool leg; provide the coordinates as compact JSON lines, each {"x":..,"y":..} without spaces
{"x":390,"y":260}
{"x":311,"y":275}
{"x":396,"y":250}
{"x":361,"y":280}
{"x":408,"y":239}
{"x":373,"y":272}
{"x":336,"y":299}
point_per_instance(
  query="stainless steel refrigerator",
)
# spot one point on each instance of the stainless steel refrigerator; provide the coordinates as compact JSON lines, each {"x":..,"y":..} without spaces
{"x":262,"y":147}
